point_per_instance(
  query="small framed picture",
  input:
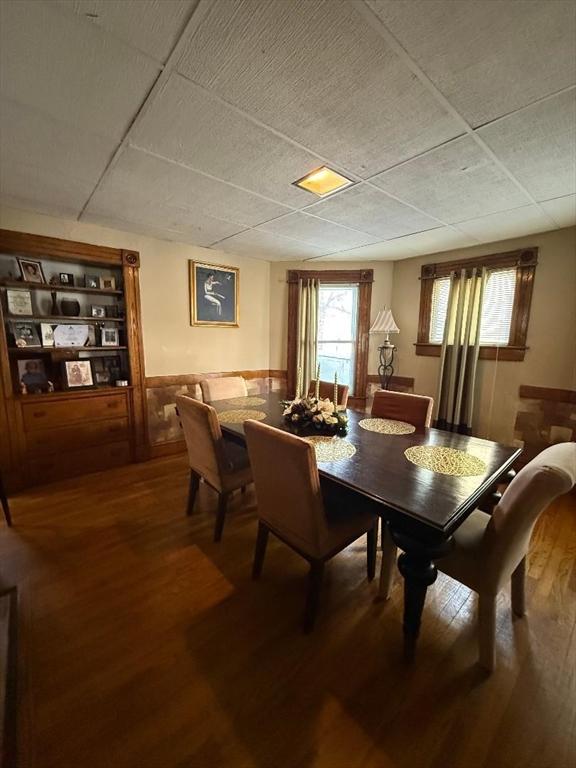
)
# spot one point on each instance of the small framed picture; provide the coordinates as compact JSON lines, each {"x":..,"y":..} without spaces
{"x":66,"y":278}
{"x":91,"y":340}
{"x":32,"y":377}
{"x":19,"y":302}
{"x":98,"y":311}
{"x":47,"y":333}
{"x":31,"y":271}
{"x":110,"y":337}
{"x":102,"y":377}
{"x":77,"y":373}
{"x":92,"y":281}
{"x":213,"y":295}
{"x":25,"y":334}
{"x":108,"y":283}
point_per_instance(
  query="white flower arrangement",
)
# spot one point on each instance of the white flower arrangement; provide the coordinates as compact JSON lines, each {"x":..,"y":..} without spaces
{"x":320,"y":414}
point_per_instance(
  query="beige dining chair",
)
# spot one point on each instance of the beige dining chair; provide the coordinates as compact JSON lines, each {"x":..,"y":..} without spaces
{"x":415,"y":410}
{"x":222,"y":464}
{"x":327,"y":392}
{"x":490,"y":549}
{"x":223,"y":388}
{"x":291,"y":506}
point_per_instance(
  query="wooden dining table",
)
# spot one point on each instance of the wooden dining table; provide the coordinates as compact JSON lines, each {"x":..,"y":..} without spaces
{"x":422,"y":507}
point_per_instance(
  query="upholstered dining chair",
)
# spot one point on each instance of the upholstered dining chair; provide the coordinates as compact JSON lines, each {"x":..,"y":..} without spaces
{"x":290,"y":504}
{"x":223,"y":465}
{"x":327,"y":391}
{"x":415,"y":410}
{"x":223,"y":388}
{"x":490,"y":549}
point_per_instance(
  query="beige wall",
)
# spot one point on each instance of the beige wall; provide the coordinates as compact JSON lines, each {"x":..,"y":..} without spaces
{"x":381,"y":296}
{"x":551,"y":358}
{"x":171,"y":345}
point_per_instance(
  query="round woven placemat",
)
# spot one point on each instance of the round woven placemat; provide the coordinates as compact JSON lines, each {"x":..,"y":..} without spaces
{"x":239,"y":416}
{"x":387,"y":426}
{"x":331,"y":448}
{"x":446,"y":461}
{"x":249,"y":400}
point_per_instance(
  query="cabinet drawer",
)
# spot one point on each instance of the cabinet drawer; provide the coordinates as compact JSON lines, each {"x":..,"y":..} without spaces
{"x":41,"y":441}
{"x":56,"y":466}
{"x":61,"y":413}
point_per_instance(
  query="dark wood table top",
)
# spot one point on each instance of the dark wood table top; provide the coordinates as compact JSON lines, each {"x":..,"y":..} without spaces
{"x":380,"y":471}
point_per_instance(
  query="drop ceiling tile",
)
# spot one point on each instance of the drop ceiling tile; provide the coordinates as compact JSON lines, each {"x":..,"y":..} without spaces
{"x":538,"y":145}
{"x":562,"y":210}
{"x":437,"y":240}
{"x":318,"y":72}
{"x":488,"y":58}
{"x":371,"y":211}
{"x":187,"y":124}
{"x":152,"y":26}
{"x":454,"y":182}
{"x":147,"y":181}
{"x":264,"y":245}
{"x":387,"y":250}
{"x":315,"y":231}
{"x":70,"y":70}
{"x":503,"y":226}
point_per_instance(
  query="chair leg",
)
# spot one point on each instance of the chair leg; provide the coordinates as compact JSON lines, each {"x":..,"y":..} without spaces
{"x":220,"y":516}
{"x":487,"y":631}
{"x":371,"y":548}
{"x":519,"y":589}
{"x":313,"y":597}
{"x":243,"y":490}
{"x":192,"y":491}
{"x":260,"y":551}
{"x":388,"y":566}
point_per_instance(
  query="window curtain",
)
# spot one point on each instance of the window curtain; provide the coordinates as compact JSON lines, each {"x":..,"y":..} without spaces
{"x":460,"y":350}
{"x":308,"y":299}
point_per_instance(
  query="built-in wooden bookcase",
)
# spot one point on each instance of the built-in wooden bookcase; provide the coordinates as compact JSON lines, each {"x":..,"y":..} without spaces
{"x":72,"y":378}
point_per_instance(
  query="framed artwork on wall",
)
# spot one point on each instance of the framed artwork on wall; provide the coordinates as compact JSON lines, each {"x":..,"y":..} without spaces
{"x":213,"y":294}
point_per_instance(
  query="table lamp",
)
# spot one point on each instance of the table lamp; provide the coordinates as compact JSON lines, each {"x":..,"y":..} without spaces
{"x":384,"y":323}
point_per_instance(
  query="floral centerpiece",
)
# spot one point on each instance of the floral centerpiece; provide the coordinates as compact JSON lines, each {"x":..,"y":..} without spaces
{"x":312,"y":411}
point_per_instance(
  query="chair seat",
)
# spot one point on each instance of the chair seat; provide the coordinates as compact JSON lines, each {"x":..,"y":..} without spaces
{"x":238,"y":471}
{"x":464,"y":563}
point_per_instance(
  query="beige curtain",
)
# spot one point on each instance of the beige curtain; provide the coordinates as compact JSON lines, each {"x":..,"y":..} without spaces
{"x":460,"y":350}
{"x":308,"y":298}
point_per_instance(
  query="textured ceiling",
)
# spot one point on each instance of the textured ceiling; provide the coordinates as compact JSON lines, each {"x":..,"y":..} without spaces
{"x":190,"y":119}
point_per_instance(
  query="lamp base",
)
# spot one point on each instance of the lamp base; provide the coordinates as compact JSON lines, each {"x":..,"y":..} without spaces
{"x":386,"y":369}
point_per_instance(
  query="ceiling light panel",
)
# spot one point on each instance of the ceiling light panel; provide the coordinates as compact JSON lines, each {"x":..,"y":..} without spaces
{"x":323,"y":181}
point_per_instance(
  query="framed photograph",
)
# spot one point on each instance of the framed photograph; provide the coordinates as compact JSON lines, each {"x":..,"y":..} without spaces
{"x":91,"y":341}
{"x":19,"y":302}
{"x":76,"y":335}
{"x":77,"y":373}
{"x":66,"y":278}
{"x":92,"y":281}
{"x":25,"y":334}
{"x":47,"y":333}
{"x":213,"y":294}
{"x":102,"y":377}
{"x":32,"y":377}
{"x":31,"y":271}
{"x":108,"y":283}
{"x":98,"y":311}
{"x":110,"y":337}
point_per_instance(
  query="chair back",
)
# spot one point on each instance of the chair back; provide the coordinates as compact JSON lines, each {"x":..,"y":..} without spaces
{"x":287,"y":484}
{"x":203,"y":439}
{"x":223,"y":388}
{"x":507,"y":537}
{"x":401,"y":406}
{"x":327,"y":392}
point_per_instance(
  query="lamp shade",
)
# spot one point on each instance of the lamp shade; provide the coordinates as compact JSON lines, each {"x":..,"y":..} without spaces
{"x":384,"y":323}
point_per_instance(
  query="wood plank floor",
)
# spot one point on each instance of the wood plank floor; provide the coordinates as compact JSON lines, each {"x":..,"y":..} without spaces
{"x":145,"y":645}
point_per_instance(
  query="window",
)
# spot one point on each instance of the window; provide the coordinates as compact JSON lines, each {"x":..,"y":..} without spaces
{"x":505,"y":304}
{"x":497,"y":306}
{"x":337,"y":332}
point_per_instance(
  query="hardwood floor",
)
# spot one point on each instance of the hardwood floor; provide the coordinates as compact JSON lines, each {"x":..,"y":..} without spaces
{"x":145,"y":645}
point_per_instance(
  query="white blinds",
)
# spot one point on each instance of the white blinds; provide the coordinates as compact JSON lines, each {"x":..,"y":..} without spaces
{"x":497,"y":306}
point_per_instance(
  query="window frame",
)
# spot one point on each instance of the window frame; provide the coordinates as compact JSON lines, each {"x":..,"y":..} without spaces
{"x":525,"y":262}
{"x":361,"y":277}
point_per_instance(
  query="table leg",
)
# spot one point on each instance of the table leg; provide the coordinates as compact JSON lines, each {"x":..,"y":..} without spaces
{"x":416,"y":564}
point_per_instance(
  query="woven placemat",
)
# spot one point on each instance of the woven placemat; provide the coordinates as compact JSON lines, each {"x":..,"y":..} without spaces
{"x":240,"y":416}
{"x":446,"y":461}
{"x":387,"y":426}
{"x":248,"y":400}
{"x":331,"y":448}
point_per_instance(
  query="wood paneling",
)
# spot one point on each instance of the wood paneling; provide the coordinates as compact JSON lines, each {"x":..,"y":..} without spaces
{"x":81,"y":461}
{"x":548,"y":393}
{"x":182,"y":379}
{"x":45,"y":413}
{"x":42,"y":441}
{"x":53,"y":247}
{"x":146,"y":645}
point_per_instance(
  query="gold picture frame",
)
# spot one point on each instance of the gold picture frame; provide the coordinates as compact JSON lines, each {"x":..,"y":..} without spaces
{"x":214,"y":292}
